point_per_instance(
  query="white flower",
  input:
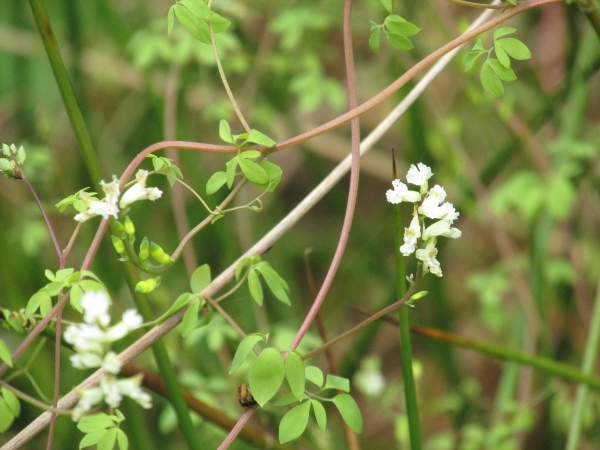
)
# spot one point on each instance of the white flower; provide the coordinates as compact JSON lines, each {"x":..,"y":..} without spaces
{"x":450,"y":214}
{"x":105,"y":207}
{"x":139,"y":191}
{"x":400,"y":193}
{"x":419,"y":176}
{"x":89,"y":398}
{"x":95,"y":307}
{"x":86,"y":360}
{"x":85,"y":338}
{"x":427,"y":255}
{"x":111,"y":363}
{"x":411,"y":234}
{"x":131,"y":388}
{"x":111,"y":190}
{"x":132,"y":319}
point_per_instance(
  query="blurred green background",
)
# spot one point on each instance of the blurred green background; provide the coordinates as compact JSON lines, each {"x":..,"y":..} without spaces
{"x":521,"y":170}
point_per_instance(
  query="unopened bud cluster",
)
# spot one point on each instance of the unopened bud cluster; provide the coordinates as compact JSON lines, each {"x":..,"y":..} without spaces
{"x":420,"y":238}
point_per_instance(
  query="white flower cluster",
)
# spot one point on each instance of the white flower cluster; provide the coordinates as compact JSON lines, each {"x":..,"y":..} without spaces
{"x":110,"y":204}
{"x":92,"y":341}
{"x":429,"y":203}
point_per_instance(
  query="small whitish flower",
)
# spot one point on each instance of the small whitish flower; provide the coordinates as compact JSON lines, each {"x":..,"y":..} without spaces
{"x":95,"y":307}
{"x":86,"y":360}
{"x":132,"y":319}
{"x":131,"y":387}
{"x":85,"y":338}
{"x":139,"y":191}
{"x":419,"y":176}
{"x":88,"y":399}
{"x":427,"y":255}
{"x":110,"y":388}
{"x":435,"y":196}
{"x":111,"y":190}
{"x":411,"y":234}
{"x":400,"y":193}
{"x":450,"y":214}
{"x":111,"y":363}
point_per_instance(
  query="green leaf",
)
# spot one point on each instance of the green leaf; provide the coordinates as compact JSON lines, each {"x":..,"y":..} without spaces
{"x":388,"y":5}
{"x":266,"y":375}
{"x":255,"y":288}
{"x":503,"y":32}
{"x":349,"y":411}
{"x":215,"y":182}
{"x":198,"y":8}
{"x":91,"y":438}
{"x":230,"y":167}
{"x":253,"y":171}
{"x":288,"y":399}
{"x":250,"y":154}
{"x":398,"y":25}
{"x":244,"y":349}
{"x":107,"y":441}
{"x":122,"y":440}
{"x":515,"y":48}
{"x":220,"y":23}
{"x":314,"y":375}
{"x":501,"y":54}
{"x":225,"y":132}
{"x":294,"y":372}
{"x":504,"y":73}
{"x":470,"y":59}
{"x":170,"y":20}
{"x":200,"y":278}
{"x":190,"y":318}
{"x":257,"y":137}
{"x":185,"y":17}
{"x":398,"y":41}
{"x":95,"y":422}
{"x":34,"y":302}
{"x":479,"y":46}
{"x":375,"y":39}
{"x":490,"y":81}
{"x":5,"y":354}
{"x":6,"y":416}
{"x":179,"y":303}
{"x":339,"y":383}
{"x":320,"y":414}
{"x":276,"y":284}
{"x":12,"y":402}
{"x":274,"y":173}
{"x":294,"y":423}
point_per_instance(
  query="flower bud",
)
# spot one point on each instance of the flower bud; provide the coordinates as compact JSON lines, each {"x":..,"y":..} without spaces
{"x":120,"y":227}
{"x":144,"y":249}
{"x":146,"y":286}
{"x":118,"y":244}
{"x":159,"y":254}
{"x":129,"y":227}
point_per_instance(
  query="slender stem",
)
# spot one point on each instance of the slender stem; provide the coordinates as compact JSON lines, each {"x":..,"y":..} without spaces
{"x":43,"y":211}
{"x":587,"y":368}
{"x":33,"y":401}
{"x":166,"y":369}
{"x":234,"y":103}
{"x":540,"y":363}
{"x":353,"y":190}
{"x":66,"y":91}
{"x":479,"y":5}
{"x":388,"y":309}
{"x":410,"y":391}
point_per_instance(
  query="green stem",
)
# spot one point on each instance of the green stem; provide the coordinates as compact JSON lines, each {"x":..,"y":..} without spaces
{"x":166,"y":370}
{"x":540,"y":363}
{"x":587,"y":368}
{"x":410,"y":392}
{"x":66,"y":91}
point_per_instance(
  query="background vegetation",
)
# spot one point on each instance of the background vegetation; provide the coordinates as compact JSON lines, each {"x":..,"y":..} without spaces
{"x":522,"y":171}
